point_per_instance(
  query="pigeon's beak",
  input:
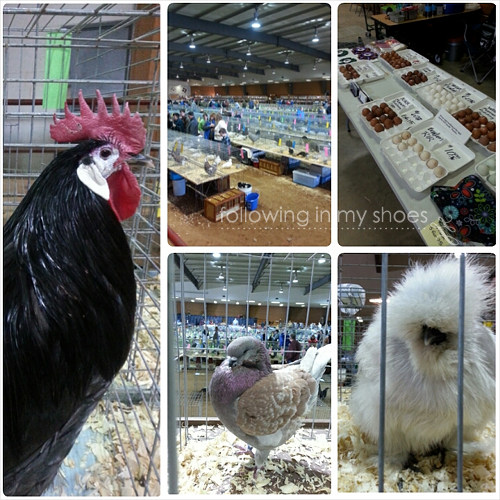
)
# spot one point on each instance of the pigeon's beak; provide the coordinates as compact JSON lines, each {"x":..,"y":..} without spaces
{"x":232,"y":361}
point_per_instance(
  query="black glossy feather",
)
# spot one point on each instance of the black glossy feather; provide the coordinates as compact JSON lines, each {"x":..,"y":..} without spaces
{"x":69,"y":307}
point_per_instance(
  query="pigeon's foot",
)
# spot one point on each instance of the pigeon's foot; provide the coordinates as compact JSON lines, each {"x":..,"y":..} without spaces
{"x":244,"y":450}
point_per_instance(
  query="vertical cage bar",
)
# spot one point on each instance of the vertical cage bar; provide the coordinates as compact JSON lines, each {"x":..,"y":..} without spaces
{"x":383,"y":346}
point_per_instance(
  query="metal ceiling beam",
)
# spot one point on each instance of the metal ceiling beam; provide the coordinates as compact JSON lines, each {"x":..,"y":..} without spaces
{"x":187,"y":272}
{"x":229,"y":54}
{"x":180,"y":21}
{"x":322,"y":281}
{"x":264,"y":262}
{"x":200,"y":71}
{"x":197,"y":61}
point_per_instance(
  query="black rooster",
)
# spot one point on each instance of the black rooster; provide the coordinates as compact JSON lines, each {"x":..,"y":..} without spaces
{"x":69,"y":300}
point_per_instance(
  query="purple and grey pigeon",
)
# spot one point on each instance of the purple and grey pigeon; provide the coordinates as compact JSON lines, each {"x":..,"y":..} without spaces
{"x":262,"y":406}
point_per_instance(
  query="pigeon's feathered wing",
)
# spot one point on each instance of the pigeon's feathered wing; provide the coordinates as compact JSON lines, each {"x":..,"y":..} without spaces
{"x":263,"y":407}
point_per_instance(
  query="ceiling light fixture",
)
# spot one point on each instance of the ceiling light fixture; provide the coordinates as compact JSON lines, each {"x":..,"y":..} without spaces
{"x":286,"y":60}
{"x":249,"y":52}
{"x":255,"y":23}
{"x":281,"y":289}
{"x":245,"y":67}
{"x":315,"y":37}
{"x":181,"y":66}
{"x":208,"y":60}
{"x":191,"y":44}
{"x":295,"y":279}
{"x":322,"y":259}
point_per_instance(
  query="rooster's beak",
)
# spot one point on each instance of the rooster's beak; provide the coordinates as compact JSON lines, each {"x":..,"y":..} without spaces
{"x":140,"y":161}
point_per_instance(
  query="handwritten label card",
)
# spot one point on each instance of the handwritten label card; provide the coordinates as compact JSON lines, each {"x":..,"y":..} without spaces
{"x":452,"y":127}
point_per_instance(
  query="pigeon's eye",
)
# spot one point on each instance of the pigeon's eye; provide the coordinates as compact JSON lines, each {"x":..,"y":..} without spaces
{"x":105,"y":153}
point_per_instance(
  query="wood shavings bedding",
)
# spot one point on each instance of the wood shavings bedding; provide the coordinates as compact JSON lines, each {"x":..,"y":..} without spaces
{"x":210,"y":463}
{"x":357,"y":465}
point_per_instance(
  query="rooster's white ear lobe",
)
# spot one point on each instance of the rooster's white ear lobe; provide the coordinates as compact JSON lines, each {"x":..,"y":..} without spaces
{"x":92,"y":178}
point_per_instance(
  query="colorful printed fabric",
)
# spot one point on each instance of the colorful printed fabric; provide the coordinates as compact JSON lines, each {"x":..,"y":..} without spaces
{"x":468,"y":210}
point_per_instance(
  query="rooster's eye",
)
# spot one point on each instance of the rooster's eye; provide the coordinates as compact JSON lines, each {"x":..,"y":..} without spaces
{"x":105,"y":153}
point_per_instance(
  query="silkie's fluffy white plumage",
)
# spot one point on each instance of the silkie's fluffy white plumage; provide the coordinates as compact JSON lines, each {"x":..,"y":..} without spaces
{"x":422,"y":361}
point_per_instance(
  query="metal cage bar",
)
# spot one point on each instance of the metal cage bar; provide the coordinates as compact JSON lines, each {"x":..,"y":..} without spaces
{"x":130,"y":34}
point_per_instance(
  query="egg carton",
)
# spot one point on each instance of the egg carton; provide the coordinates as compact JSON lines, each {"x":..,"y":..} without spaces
{"x":424,"y":154}
{"x":453,"y":95}
{"x":405,"y":106}
{"x":487,"y":108}
{"x":432,"y":73}
{"x":368,"y":72}
{"x":410,"y":55}
{"x":486,"y":169}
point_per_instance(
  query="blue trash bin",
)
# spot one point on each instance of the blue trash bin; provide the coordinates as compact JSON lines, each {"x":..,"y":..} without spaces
{"x":252,"y":199}
{"x":178,"y":184}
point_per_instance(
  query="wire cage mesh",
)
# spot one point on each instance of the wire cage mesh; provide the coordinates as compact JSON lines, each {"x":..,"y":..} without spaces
{"x":359,"y":296}
{"x":50,"y":53}
{"x":214,"y":300}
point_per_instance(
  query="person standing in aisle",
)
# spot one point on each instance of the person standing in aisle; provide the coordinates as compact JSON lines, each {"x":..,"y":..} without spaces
{"x":208,"y":128}
{"x":201,"y":123}
{"x":216,"y":337}
{"x":293,"y":351}
{"x":192,"y":127}
{"x":178,"y":123}
{"x":221,"y":124}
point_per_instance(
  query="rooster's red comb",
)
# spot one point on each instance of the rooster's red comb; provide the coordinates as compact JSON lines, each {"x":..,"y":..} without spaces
{"x":123,"y":129}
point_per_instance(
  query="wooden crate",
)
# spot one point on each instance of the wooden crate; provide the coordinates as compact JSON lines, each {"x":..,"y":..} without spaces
{"x":219,"y":205}
{"x":271,"y":166}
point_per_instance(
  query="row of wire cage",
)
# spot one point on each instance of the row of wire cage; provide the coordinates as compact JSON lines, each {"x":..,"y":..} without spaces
{"x":364,"y":282}
{"x":237,"y":295}
{"x":51,"y":52}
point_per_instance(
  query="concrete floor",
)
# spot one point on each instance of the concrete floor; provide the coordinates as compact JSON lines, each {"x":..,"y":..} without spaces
{"x":361,"y":186}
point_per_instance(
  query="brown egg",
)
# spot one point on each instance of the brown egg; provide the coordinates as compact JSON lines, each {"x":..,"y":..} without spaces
{"x":378,"y":112}
{"x":374,"y":122}
{"x":384,"y":105}
{"x":461,"y":113}
{"x":484,"y":140}
{"x":468,"y":111}
{"x":379,"y":127}
{"x":476,"y":134}
{"x":475,"y":115}
{"x":483,"y":130}
{"x":490,"y":125}
{"x":391,"y":114}
{"x":492,"y":147}
{"x":342,"y":69}
{"x":397,"y":120}
{"x":492,"y":135}
{"x":374,"y":108}
{"x":476,"y":124}
{"x":365,"y":111}
{"x":388,"y":123}
{"x":483,"y":120}
{"x":469,"y":127}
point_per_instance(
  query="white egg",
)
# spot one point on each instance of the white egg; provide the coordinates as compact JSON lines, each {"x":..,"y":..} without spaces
{"x":483,"y":169}
{"x":448,"y":97}
{"x":406,"y":135}
{"x":436,"y":103}
{"x":443,"y":92}
{"x":402,"y":146}
{"x":492,"y":179}
{"x":396,"y":139}
{"x":454,"y":100}
{"x":418,"y":148}
{"x":439,"y":87}
{"x":491,"y":163}
{"x":412,"y":141}
{"x":439,"y":171}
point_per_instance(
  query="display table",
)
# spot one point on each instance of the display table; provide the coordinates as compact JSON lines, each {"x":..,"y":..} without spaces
{"x":385,"y":27}
{"x":416,"y":203}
